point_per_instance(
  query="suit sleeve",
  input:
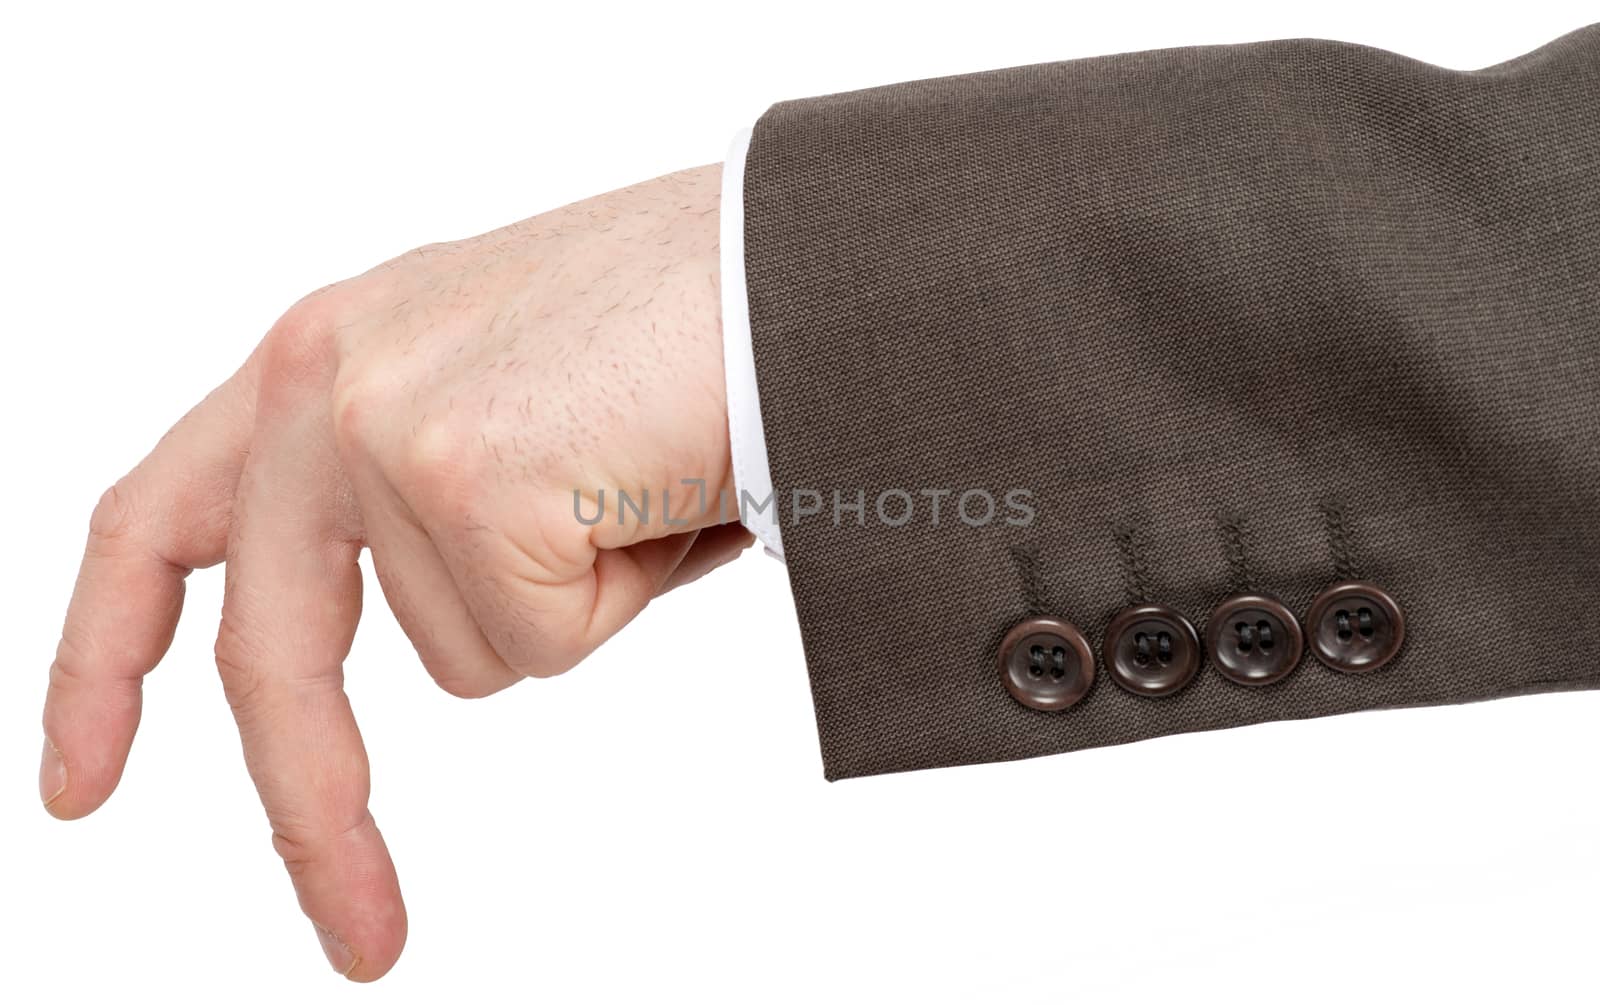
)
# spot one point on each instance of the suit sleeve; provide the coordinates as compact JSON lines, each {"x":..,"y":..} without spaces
{"x":1293,"y":323}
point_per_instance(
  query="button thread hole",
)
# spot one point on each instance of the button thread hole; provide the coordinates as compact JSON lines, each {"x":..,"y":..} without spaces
{"x":1364,"y":623}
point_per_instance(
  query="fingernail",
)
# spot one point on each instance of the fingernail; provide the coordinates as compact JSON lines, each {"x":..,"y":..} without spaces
{"x":339,"y":955}
{"x":52,"y":773}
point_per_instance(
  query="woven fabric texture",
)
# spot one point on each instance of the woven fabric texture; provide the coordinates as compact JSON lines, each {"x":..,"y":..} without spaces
{"x":1263,"y":316}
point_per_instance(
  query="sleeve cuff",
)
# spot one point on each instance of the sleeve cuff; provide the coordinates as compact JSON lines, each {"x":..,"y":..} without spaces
{"x":752,"y":478}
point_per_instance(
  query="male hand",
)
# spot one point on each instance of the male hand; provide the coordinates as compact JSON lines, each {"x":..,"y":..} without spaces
{"x":440,"y":410}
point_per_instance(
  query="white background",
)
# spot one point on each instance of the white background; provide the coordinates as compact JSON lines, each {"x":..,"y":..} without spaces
{"x":654,"y":826}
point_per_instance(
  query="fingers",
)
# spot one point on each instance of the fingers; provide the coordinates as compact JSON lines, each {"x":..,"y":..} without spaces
{"x":543,"y":590}
{"x":543,"y":608}
{"x":423,"y":596}
{"x":165,"y":518}
{"x":625,"y":579}
{"x":427,"y":601}
{"x":292,"y":601}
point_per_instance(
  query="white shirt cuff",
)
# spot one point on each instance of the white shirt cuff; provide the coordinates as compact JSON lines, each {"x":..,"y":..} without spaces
{"x":752,"y":479}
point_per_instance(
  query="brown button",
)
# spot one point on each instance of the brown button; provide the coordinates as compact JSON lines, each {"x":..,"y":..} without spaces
{"x":1151,"y":650}
{"x":1355,"y":627}
{"x":1254,"y":640}
{"x":1046,"y":664}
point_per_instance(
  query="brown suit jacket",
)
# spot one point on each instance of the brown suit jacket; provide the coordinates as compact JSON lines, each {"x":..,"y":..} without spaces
{"x":1241,"y":321}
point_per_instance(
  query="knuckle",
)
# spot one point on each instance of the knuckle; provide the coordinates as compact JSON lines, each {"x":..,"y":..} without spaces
{"x":290,"y":842}
{"x":84,"y":664}
{"x":357,"y":407}
{"x":113,"y":518}
{"x":67,"y":669}
{"x":300,"y":345}
{"x":437,"y":471}
{"x":303,"y":838}
{"x":242,"y":679}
